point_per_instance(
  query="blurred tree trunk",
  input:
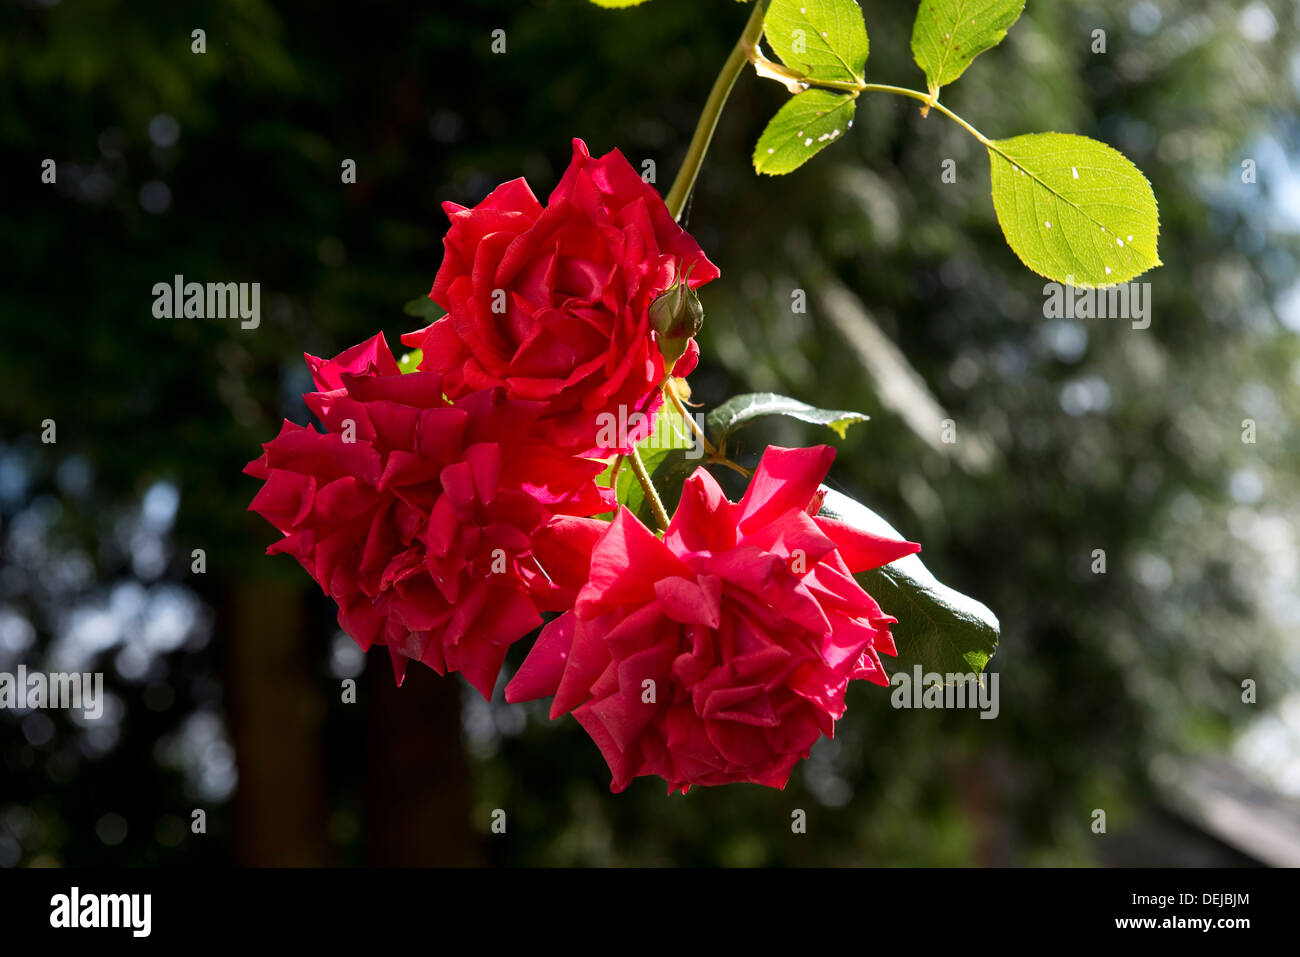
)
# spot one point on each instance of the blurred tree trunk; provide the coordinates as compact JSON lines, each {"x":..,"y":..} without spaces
{"x":980,"y":783}
{"x":276,"y":710}
{"x":417,"y":794}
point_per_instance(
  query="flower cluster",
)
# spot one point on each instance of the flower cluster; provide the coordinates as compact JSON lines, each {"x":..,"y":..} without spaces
{"x":722,"y":652}
{"x":553,"y":303}
{"x":422,"y":519}
{"x":447,"y":510}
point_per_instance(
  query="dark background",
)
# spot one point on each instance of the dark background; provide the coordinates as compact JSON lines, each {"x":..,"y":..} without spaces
{"x":1119,"y":692}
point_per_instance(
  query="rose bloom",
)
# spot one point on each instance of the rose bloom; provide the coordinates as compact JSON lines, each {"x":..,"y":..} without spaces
{"x":421,"y":519}
{"x":722,"y":652}
{"x":551,"y":303}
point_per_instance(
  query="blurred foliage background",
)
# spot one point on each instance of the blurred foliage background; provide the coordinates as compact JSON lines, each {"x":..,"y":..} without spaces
{"x":1072,"y":435}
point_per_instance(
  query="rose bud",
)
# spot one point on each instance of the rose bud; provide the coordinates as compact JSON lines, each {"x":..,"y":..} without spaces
{"x":676,"y":317}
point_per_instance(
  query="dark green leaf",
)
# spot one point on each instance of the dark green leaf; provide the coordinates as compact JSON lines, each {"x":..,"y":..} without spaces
{"x":423,"y":308}
{"x":740,"y":410}
{"x":938,"y":627}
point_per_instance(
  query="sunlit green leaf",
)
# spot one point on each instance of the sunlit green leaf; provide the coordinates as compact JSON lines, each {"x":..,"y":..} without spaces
{"x":411,"y":361}
{"x":669,"y":455}
{"x":948,"y":34}
{"x":822,"y":39}
{"x":1074,"y":210}
{"x":806,"y":124}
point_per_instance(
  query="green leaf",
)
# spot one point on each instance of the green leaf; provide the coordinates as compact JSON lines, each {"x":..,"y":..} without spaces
{"x":1074,"y":210}
{"x":664,"y":454}
{"x":822,"y":39}
{"x":948,"y":34}
{"x":938,"y":627}
{"x":423,"y":308}
{"x":807,"y":123}
{"x":740,"y":410}
{"x":411,"y":361}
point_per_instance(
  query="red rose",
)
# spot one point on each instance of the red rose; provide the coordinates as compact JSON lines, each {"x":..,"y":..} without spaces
{"x":721,"y":653}
{"x":553,"y":303}
{"x":419,"y":517}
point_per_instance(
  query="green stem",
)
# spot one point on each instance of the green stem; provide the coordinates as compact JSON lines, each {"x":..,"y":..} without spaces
{"x":689,"y":419}
{"x":930,"y":101}
{"x":842,"y":85}
{"x":708,"y":122}
{"x":651,"y":496}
